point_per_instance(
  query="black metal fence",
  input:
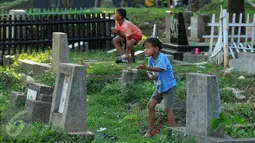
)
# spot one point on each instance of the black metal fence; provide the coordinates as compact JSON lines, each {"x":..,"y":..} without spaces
{"x":34,"y":33}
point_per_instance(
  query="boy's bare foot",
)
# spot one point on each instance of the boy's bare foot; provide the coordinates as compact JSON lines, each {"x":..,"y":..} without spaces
{"x":151,"y":133}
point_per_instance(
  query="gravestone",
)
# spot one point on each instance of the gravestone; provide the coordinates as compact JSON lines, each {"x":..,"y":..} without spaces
{"x":41,"y":68}
{"x":126,"y":78}
{"x":60,"y":50}
{"x":187,"y":20}
{"x":203,"y":103}
{"x":179,"y":23}
{"x":177,"y":29}
{"x":199,"y":26}
{"x":34,"y":67}
{"x":244,"y":63}
{"x":18,"y":13}
{"x":37,"y":111}
{"x":17,"y":99}
{"x":38,"y":103}
{"x":35,"y":90}
{"x":193,"y":58}
{"x":8,"y":60}
{"x":168,"y":27}
{"x":69,"y":100}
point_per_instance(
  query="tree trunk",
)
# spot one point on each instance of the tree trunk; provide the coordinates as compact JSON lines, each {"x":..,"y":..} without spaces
{"x":58,"y":3}
{"x":237,"y":7}
{"x":195,"y":5}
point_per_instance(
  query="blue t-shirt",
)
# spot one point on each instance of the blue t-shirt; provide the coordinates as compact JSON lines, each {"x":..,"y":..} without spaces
{"x":165,"y":79}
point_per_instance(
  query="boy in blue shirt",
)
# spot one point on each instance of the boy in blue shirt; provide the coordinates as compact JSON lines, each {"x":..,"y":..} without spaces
{"x":161,"y":72}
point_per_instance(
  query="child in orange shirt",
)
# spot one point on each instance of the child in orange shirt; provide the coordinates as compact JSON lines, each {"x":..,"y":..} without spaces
{"x":128,"y":32}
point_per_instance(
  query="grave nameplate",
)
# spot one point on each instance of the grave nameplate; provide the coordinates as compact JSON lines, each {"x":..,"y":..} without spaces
{"x":31,"y":94}
{"x":63,"y":95}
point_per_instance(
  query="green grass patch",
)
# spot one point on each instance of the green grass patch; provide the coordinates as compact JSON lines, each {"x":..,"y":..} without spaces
{"x":215,"y":6}
{"x":6,"y":5}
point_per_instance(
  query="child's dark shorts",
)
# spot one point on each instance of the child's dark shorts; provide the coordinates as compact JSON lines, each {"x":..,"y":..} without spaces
{"x":168,"y":97}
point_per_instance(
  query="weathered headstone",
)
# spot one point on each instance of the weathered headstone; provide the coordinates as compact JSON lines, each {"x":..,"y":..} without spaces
{"x":60,"y":50}
{"x":245,"y":62}
{"x":34,"y":67}
{"x":69,"y":100}
{"x":17,"y":99}
{"x":126,"y":78}
{"x":187,"y":21}
{"x":38,"y":103}
{"x":168,"y":27}
{"x":41,"y":68}
{"x":35,"y":89}
{"x":199,"y":26}
{"x":37,"y":111}
{"x":177,"y":30}
{"x":8,"y":60}
{"x":203,"y":103}
{"x":193,"y":58}
{"x":16,"y":13}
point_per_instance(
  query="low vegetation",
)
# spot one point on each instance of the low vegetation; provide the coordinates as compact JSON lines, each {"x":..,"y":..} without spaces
{"x":123,"y":111}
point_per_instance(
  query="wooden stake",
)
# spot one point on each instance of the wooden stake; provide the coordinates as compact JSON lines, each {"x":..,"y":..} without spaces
{"x":225,"y":38}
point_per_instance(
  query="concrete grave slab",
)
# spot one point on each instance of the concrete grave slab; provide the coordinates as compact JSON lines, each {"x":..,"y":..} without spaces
{"x":34,"y":67}
{"x":40,"y":92}
{"x":18,"y":13}
{"x":37,"y":111}
{"x":60,"y":50}
{"x":40,"y":88}
{"x":26,"y":65}
{"x":41,"y":68}
{"x":8,"y":60}
{"x":69,"y":99}
{"x":17,"y":99}
{"x":44,"y":97}
{"x":203,"y":103}
{"x":193,"y":58}
{"x":245,"y":62}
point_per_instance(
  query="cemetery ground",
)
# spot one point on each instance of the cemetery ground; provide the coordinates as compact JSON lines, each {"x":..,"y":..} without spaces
{"x":118,"y":114}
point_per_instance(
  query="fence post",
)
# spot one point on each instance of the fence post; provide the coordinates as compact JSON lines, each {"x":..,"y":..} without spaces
{"x":225,"y":39}
{"x":211,"y":38}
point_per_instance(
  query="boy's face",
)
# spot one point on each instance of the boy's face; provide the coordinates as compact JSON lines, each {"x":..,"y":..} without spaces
{"x":150,"y":50}
{"x":116,"y":16}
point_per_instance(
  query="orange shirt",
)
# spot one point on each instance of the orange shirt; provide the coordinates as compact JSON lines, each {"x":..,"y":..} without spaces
{"x":128,"y":28}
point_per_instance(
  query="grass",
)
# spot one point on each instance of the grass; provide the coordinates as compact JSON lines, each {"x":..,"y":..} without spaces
{"x":214,"y":7}
{"x":122,"y":111}
{"x":6,"y":5}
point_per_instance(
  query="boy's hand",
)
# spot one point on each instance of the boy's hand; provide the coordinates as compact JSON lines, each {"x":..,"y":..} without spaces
{"x":151,"y":76}
{"x":114,"y":30}
{"x":142,"y":67}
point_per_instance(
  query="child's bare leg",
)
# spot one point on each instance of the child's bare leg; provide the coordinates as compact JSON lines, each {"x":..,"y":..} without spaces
{"x":117,"y":44}
{"x":130,"y":47}
{"x":151,"y":109}
{"x":170,"y":116}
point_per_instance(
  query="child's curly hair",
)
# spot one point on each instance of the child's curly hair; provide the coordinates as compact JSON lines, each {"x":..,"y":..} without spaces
{"x":155,"y":42}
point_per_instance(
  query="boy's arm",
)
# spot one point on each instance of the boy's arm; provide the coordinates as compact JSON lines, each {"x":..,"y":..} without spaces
{"x":154,"y":69}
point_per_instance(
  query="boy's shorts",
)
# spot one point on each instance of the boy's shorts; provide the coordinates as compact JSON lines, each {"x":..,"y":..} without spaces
{"x":168,"y":97}
{"x":137,"y":38}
